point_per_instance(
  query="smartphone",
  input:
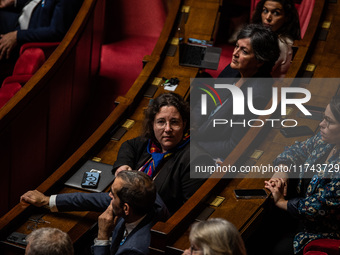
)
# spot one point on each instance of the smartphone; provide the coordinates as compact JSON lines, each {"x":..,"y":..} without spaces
{"x":296,"y":131}
{"x":90,"y":180}
{"x":18,"y":238}
{"x":250,"y":193}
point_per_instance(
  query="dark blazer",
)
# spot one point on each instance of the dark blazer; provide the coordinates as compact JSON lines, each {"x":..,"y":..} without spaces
{"x":98,"y":202}
{"x":222,"y":139}
{"x":79,"y":201}
{"x":138,"y":240}
{"x":173,"y":181}
{"x":48,"y":23}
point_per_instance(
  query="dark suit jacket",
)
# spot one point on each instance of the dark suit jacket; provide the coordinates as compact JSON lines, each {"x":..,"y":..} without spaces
{"x":222,"y":139}
{"x":98,"y":202}
{"x":173,"y":181}
{"x":47,"y":24}
{"x":138,"y":240}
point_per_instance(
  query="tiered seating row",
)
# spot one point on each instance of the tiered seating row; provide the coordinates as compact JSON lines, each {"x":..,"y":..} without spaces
{"x":172,"y":236}
{"x":38,"y":123}
{"x":131,"y":106}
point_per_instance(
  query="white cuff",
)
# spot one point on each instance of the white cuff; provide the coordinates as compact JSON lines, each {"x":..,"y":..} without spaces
{"x":52,"y":203}
{"x":101,"y":242}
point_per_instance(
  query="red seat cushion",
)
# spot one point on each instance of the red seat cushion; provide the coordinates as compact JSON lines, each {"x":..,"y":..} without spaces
{"x":328,"y":246}
{"x":315,"y":253}
{"x":7,"y":91}
{"x":29,"y":61}
{"x":21,"y":79}
{"x":47,"y":47}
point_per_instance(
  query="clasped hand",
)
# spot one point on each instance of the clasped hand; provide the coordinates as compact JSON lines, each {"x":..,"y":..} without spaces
{"x":7,"y":43}
{"x":6,"y":3}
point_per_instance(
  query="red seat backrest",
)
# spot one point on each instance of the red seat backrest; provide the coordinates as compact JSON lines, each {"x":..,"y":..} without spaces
{"x":321,"y":246}
{"x":29,"y":62}
{"x":7,"y":91}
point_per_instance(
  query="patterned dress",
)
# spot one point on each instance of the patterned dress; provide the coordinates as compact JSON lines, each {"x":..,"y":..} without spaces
{"x":319,"y":206}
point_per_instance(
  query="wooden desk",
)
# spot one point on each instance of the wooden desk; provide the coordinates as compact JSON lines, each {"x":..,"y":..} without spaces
{"x":172,"y":235}
{"x":99,"y":145}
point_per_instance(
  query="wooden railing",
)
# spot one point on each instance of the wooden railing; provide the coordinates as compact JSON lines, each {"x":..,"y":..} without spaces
{"x":125,"y":106}
{"x":37,"y":124}
{"x":164,"y":234}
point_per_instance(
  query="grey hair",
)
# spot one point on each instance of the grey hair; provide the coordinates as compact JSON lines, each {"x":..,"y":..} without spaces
{"x":49,"y":241}
{"x":217,"y":236}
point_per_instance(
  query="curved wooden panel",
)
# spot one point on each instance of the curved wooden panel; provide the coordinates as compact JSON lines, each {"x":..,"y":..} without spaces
{"x":125,"y":106}
{"x":165,"y":234}
{"x":131,"y":106}
{"x":38,"y":123}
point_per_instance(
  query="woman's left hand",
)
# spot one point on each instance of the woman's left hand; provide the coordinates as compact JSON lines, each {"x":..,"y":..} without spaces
{"x":7,"y":43}
{"x":277,"y":189}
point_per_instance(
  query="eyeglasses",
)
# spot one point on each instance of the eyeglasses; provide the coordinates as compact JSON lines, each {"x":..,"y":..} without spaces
{"x":328,"y":120}
{"x":174,"y":124}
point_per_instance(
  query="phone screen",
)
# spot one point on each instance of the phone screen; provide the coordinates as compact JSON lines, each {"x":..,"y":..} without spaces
{"x":250,"y":193}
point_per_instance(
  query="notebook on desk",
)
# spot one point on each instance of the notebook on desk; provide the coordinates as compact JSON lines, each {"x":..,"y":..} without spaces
{"x":200,"y":56}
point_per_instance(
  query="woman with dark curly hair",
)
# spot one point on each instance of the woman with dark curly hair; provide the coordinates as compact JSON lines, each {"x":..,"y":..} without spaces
{"x":163,"y":151}
{"x":282,"y":17}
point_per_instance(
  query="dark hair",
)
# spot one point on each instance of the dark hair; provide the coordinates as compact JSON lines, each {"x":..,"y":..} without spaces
{"x":291,"y":27}
{"x":166,"y":99}
{"x":264,"y":43}
{"x":138,"y":191}
{"x":335,"y":107}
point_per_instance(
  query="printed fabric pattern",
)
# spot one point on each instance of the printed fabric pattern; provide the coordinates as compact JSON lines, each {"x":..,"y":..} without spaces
{"x":319,"y":208}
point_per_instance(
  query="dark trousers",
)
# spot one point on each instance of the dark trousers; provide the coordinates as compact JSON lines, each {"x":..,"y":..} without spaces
{"x":275,"y":235}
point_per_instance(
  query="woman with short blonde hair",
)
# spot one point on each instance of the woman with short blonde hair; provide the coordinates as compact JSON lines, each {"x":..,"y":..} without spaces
{"x":215,"y":236}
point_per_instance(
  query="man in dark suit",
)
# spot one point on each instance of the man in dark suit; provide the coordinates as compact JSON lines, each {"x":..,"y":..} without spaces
{"x":132,"y":201}
{"x":48,"y":21}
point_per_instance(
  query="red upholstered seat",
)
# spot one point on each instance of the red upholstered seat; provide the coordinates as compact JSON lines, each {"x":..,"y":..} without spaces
{"x":29,"y":61}
{"x":135,"y":26}
{"x":315,"y":253}
{"x":322,"y":246}
{"x":47,"y":47}
{"x":7,"y":91}
{"x":21,"y":79}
